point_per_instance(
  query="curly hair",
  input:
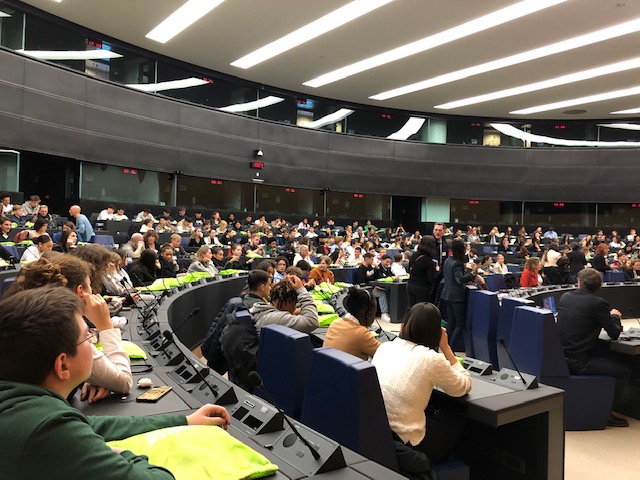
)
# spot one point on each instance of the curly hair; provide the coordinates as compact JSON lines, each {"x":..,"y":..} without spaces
{"x":98,"y":257}
{"x":36,"y":274}
{"x":283,"y":293}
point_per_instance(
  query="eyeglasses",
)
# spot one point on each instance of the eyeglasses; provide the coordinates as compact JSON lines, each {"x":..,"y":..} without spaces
{"x":92,"y":337}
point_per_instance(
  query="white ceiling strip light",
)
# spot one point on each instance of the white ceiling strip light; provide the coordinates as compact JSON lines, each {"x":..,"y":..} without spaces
{"x":626,"y":92}
{"x":626,"y":112}
{"x":97,"y":54}
{"x":553,"y":82}
{"x":184,"y":17}
{"x":410,"y":128}
{"x":3,"y":14}
{"x":325,"y":24}
{"x":485,"y":22}
{"x":621,"y":126}
{"x":329,"y":119}
{"x":246,"y":107}
{"x":559,"y":47}
{"x":512,"y":131}
{"x":170,"y":85}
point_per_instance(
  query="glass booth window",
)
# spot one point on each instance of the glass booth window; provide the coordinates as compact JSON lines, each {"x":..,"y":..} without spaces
{"x":214,"y":193}
{"x":9,"y":169}
{"x":121,"y":184}
{"x":288,"y":200}
{"x":358,"y":205}
{"x":559,"y":214}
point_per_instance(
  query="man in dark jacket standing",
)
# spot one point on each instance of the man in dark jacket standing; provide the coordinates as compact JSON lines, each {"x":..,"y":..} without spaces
{"x":581,"y":317}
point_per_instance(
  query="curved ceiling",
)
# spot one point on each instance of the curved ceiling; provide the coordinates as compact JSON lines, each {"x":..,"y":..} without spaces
{"x":237,"y":27}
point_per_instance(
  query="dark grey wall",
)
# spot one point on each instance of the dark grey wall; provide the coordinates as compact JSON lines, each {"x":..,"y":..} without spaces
{"x":47,"y":109}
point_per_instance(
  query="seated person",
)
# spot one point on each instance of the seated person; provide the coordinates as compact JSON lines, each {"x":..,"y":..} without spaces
{"x":367,"y":273}
{"x":281,"y":266}
{"x":500,"y":267}
{"x":39,"y":228}
{"x":5,"y":230}
{"x":303,"y":270}
{"x":599,"y":260}
{"x":284,"y":298}
{"x":351,"y":333}
{"x":111,"y":369}
{"x":196,"y":239}
{"x":408,"y":368}
{"x":67,"y":242}
{"x":504,"y":247}
{"x":253,"y":245}
{"x":144,"y":271}
{"x":168,"y":265}
{"x":65,"y":226}
{"x":178,"y":249}
{"x":107,"y":213}
{"x":633,"y":273}
{"x":237,"y":260}
{"x":212,"y":238}
{"x":185,"y":225}
{"x":5,"y":204}
{"x":202,"y":262}
{"x":150,"y":239}
{"x":531,"y":274}
{"x":40,"y":245}
{"x":304,"y":254}
{"x":18,"y":217}
{"x":147,"y":225}
{"x":164,"y":225}
{"x":134,"y":247}
{"x":397,"y":267}
{"x":218,"y":259}
{"x":119,"y":215}
{"x":581,"y":317}
{"x":40,"y":431}
{"x":115,"y":280}
{"x":322,"y":273}
{"x":271,"y":249}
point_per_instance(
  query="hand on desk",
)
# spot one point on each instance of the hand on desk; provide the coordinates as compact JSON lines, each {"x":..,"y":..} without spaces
{"x":210,"y":415}
{"x":93,"y":393}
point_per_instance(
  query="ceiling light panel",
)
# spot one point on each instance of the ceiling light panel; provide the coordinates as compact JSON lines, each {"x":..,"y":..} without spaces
{"x":319,"y":27}
{"x":330,"y":119}
{"x":170,"y":85}
{"x":630,"y":111}
{"x":626,"y":92}
{"x":485,"y":22}
{"x":3,"y":14}
{"x":184,"y":17}
{"x":246,"y":107}
{"x":514,"y":132}
{"x":558,"y":47}
{"x":97,"y":54}
{"x":410,"y":128}
{"x":553,"y":82}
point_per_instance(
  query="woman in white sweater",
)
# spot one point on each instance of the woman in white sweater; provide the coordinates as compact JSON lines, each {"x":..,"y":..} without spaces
{"x":408,"y":369}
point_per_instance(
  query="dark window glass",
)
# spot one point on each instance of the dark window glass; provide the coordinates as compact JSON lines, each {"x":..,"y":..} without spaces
{"x":289,"y":200}
{"x":215,"y":193}
{"x":358,"y":205}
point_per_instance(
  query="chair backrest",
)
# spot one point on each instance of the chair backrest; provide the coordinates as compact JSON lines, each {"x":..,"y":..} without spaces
{"x":505,"y":324}
{"x":614,"y":276}
{"x":6,"y":283}
{"x":344,"y":402}
{"x":495,"y":282}
{"x":106,"y":240}
{"x":535,"y":343}
{"x":283,"y":363}
{"x":13,"y":250}
{"x":484,"y":320}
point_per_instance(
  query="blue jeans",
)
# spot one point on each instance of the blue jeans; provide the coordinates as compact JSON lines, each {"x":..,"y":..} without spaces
{"x":381,"y":295}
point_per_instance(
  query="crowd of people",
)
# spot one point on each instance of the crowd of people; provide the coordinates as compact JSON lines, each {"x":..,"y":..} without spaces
{"x":65,"y":272}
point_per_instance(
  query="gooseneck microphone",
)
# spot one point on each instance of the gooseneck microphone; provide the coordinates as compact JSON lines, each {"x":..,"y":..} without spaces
{"x":504,"y":345}
{"x":381,"y":330}
{"x":193,"y":313}
{"x":256,"y":381}
{"x":169,"y":340}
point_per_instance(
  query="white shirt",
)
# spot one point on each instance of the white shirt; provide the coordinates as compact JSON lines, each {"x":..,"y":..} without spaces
{"x":111,"y":368}
{"x":407,"y":374}
{"x":502,"y":269}
{"x":31,"y":254}
{"x":398,"y":269}
{"x":105,"y":215}
{"x":7,"y":209}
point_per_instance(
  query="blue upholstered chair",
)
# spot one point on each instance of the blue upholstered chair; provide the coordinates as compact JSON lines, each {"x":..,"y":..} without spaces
{"x":106,"y":240}
{"x":6,"y":283}
{"x":283,"y":363}
{"x":505,"y":324}
{"x":537,"y":350}
{"x":495,"y":282}
{"x":613,"y":276}
{"x":484,"y":320}
{"x":344,"y":402}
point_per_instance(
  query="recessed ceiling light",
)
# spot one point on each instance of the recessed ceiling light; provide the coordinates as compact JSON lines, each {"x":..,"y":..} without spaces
{"x":599,"y":97}
{"x":316,"y":28}
{"x":4,"y":15}
{"x":626,"y":112}
{"x":170,"y":85}
{"x":485,"y":22}
{"x":181,"y":19}
{"x":514,"y":132}
{"x":330,"y":119}
{"x":410,"y":128}
{"x":246,"y":107}
{"x":552,"y":82}
{"x":563,"y":46}
{"x":97,"y":54}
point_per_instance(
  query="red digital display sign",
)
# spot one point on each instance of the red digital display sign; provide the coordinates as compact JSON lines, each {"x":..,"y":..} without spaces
{"x":257,"y":165}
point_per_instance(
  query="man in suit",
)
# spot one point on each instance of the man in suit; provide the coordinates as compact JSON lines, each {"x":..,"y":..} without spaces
{"x":581,"y":317}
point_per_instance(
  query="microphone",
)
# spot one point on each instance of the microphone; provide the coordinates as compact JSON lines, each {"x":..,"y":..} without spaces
{"x":193,"y":313}
{"x":256,"y":381}
{"x":504,"y":345}
{"x":169,"y":340}
{"x":148,"y":310}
